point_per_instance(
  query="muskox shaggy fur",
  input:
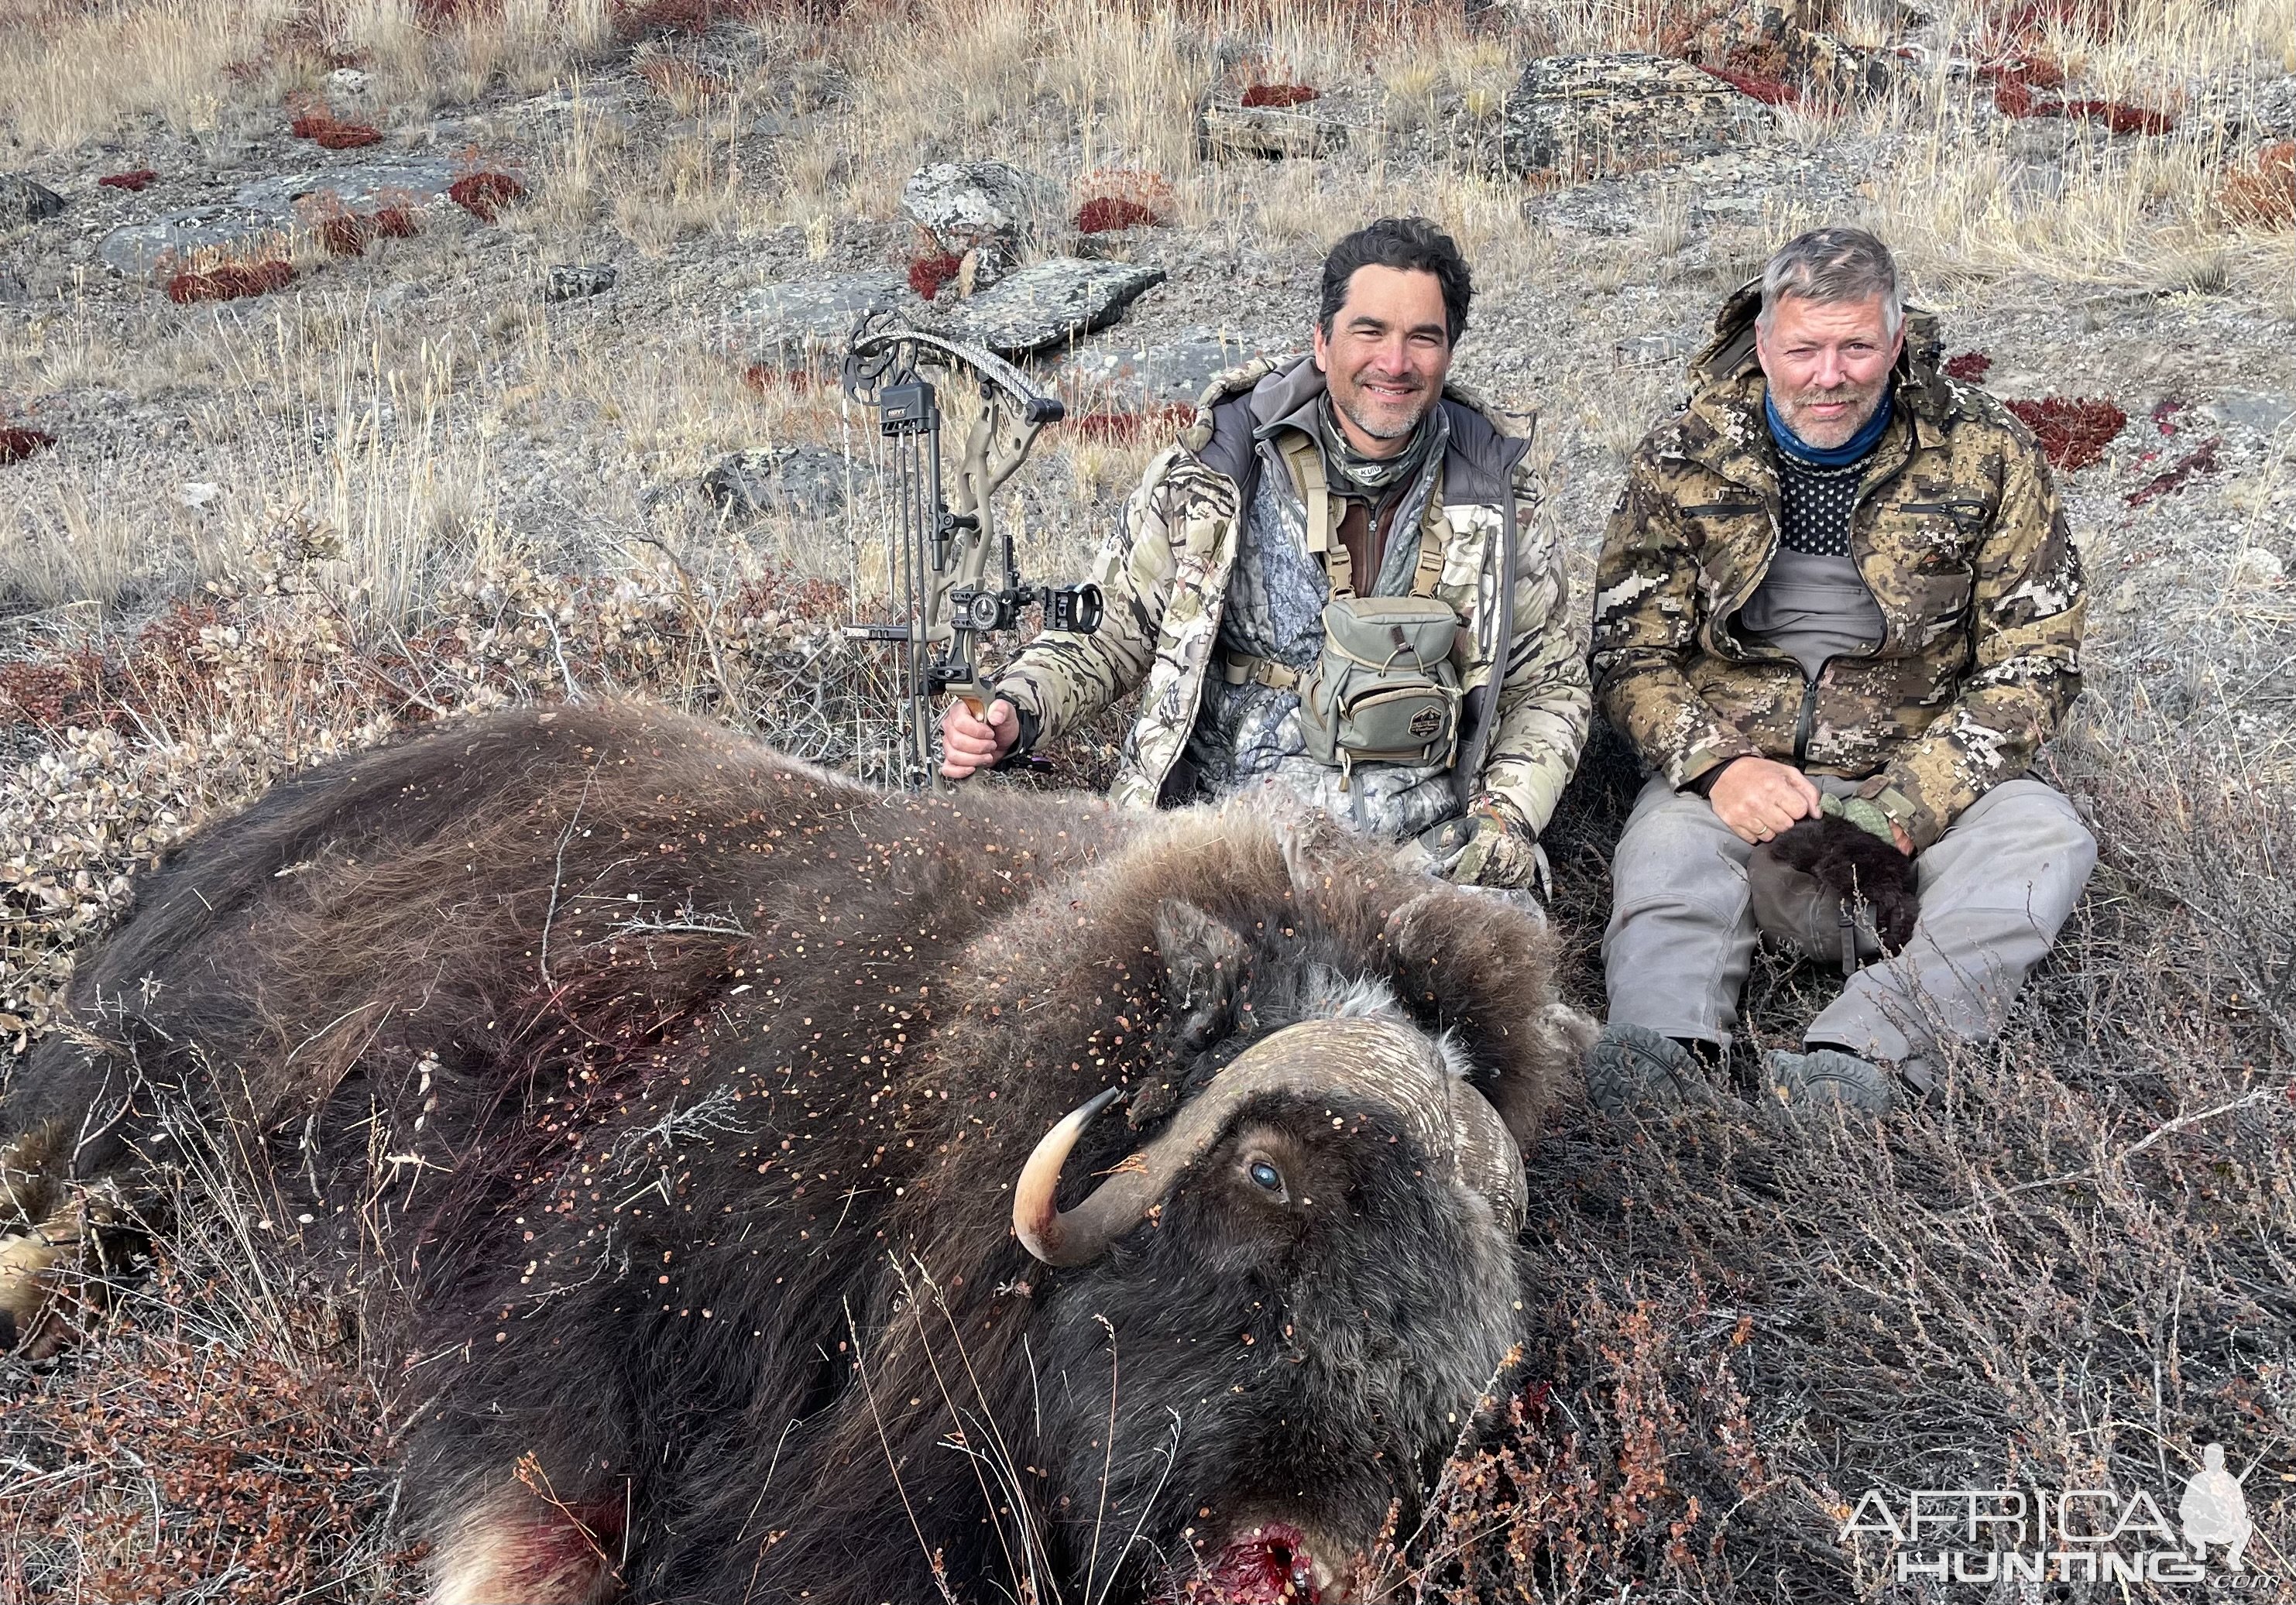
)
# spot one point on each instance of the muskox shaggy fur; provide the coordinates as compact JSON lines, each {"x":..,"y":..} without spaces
{"x":680,"y":1090}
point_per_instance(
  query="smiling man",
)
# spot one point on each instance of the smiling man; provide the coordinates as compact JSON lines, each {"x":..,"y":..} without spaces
{"x":1836,"y":580}
{"x":1332,"y":588}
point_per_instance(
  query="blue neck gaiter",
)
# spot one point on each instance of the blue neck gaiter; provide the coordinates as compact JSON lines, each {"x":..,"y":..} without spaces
{"x":1849,"y":451}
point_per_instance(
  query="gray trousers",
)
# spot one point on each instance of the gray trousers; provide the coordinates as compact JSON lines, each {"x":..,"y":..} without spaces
{"x":1994,"y":890}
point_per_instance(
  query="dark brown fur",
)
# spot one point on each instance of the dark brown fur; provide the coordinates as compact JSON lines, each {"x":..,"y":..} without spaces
{"x":682,"y":1087}
{"x":1856,"y":866}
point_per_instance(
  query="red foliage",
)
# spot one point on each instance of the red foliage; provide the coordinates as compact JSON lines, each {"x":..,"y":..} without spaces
{"x":2164,"y":415}
{"x":2200,"y":459}
{"x":2017,"y":80}
{"x":1280,"y":95}
{"x":1113,"y":214}
{"x":2265,"y":196}
{"x":2119,"y":117}
{"x":2074,"y":433}
{"x":638,"y":19}
{"x":16,"y":444}
{"x":135,"y":180}
{"x":928,"y":273}
{"x":230,"y":281}
{"x":318,"y":124}
{"x":1130,"y":429}
{"x":484,"y":194}
{"x":346,"y":136}
{"x":1770,"y":92}
{"x":397,"y":223}
{"x":83,"y":687}
{"x":1970,"y":366}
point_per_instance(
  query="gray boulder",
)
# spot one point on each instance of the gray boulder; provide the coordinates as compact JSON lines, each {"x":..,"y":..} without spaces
{"x":793,"y":323}
{"x":1129,"y":376}
{"x":572,"y":281}
{"x":26,"y":200}
{"x":1048,"y":303}
{"x":1579,"y":117}
{"x":261,"y":213}
{"x":967,"y":206}
{"x":806,"y":481}
{"x":14,"y":290}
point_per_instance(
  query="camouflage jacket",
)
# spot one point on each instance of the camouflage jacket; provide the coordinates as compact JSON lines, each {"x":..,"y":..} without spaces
{"x":1164,"y":573}
{"x":1958,"y":534}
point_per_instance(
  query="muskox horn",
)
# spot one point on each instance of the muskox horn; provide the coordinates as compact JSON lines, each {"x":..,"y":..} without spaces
{"x":1449,"y":1121}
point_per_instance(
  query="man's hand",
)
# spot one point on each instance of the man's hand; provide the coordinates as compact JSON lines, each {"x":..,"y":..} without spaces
{"x":969,"y":742}
{"x":1758,"y":799}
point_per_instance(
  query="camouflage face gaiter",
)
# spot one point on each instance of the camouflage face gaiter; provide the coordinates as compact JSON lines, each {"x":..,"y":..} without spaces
{"x":1373,"y":477}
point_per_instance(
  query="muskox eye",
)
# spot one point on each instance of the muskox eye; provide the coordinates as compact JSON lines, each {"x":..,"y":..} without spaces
{"x":1266,"y":1175}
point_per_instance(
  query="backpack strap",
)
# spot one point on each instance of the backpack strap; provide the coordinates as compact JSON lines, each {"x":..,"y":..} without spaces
{"x":1305,"y":459}
{"x":1430,"y":572}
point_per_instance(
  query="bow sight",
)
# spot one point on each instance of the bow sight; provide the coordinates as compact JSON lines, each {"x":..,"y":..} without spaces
{"x":940,"y":573}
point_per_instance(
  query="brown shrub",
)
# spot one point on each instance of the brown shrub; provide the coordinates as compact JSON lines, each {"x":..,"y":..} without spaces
{"x":1280,"y":95}
{"x":134,"y":180}
{"x":231,"y":281}
{"x":397,"y":223}
{"x":2263,"y":195}
{"x":2074,"y":433}
{"x":483,"y":194}
{"x":1970,"y":366}
{"x":17,"y":443}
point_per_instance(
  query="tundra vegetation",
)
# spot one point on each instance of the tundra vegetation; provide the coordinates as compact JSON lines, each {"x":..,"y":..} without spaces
{"x":369,"y":476}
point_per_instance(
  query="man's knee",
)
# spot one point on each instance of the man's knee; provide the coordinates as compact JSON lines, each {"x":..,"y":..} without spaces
{"x":2025,"y":823}
{"x":1677,"y":859}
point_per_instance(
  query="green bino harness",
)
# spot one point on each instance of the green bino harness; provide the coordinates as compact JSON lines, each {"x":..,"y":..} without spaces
{"x":1384,"y":690}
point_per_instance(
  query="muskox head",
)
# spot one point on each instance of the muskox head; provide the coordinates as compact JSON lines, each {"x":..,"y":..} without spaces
{"x":1264,"y":1325}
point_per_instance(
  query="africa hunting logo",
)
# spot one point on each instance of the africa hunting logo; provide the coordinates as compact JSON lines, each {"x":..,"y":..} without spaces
{"x":2065,"y":1534}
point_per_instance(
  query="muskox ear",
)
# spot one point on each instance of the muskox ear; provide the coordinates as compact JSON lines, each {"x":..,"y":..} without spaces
{"x":1204,"y":960}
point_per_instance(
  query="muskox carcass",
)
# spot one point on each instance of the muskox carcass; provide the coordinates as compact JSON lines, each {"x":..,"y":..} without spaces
{"x":791,"y":1190}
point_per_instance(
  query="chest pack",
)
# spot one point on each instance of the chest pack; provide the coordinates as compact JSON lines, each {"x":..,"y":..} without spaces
{"x":1384,"y":689}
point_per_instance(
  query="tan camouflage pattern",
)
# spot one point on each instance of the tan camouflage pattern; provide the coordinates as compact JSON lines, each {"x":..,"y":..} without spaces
{"x":1163,"y":576}
{"x":1960,"y":536}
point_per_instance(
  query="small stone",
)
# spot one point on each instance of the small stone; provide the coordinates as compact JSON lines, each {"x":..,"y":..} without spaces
{"x":346,"y":81}
{"x":804,"y":480}
{"x":197,"y":494}
{"x":968,"y":205}
{"x":26,"y":200}
{"x":1579,"y":117}
{"x":572,"y":281}
{"x":1049,"y":302}
{"x":2256,"y":566}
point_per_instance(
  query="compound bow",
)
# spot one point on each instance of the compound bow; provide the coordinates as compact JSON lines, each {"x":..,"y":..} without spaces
{"x":941,"y":572}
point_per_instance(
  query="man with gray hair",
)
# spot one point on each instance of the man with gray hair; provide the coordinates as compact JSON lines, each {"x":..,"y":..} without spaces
{"x":1837,"y":583}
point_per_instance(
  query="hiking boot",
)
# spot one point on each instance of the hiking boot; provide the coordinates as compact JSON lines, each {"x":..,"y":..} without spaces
{"x":1635,"y":1073}
{"x":1825,"y":1079}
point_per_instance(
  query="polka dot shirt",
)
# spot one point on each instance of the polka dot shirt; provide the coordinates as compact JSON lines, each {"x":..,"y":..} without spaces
{"x":1817,"y":504}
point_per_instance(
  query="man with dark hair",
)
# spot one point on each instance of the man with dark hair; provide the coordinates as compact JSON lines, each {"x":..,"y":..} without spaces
{"x":1331,"y":587}
{"x":1838,"y":582}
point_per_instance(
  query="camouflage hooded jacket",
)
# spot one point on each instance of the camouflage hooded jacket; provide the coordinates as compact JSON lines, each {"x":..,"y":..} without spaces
{"x":1164,"y":573}
{"x":1957,"y":533}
